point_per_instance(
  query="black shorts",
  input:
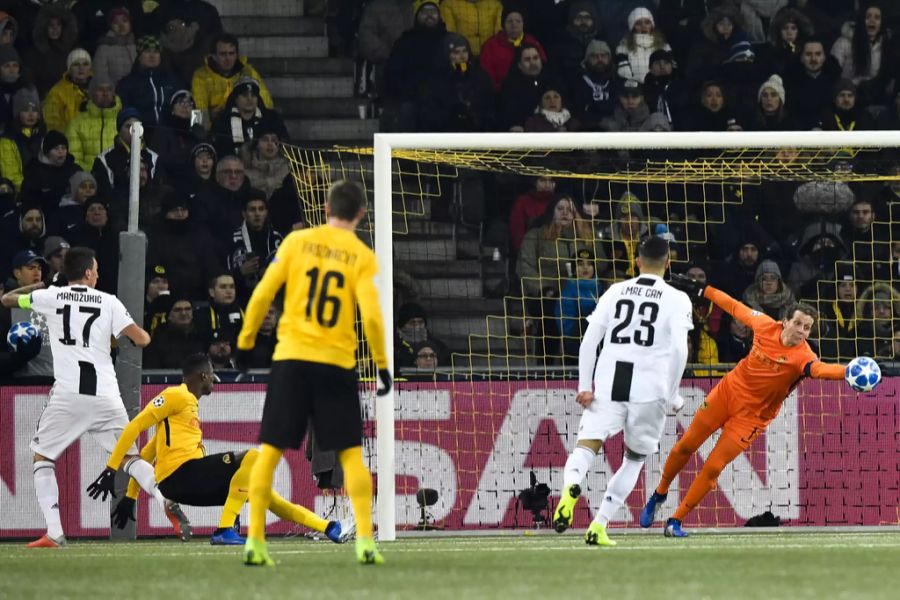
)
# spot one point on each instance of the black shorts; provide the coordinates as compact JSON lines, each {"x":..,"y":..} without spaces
{"x":202,"y":481}
{"x":301,"y":392}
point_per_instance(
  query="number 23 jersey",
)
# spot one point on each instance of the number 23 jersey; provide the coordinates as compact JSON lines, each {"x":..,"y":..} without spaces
{"x":643,"y":319}
{"x":81,"y":322}
{"x":327,"y":272}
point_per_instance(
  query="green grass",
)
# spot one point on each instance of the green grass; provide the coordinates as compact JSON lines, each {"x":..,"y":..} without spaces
{"x":765,"y":565}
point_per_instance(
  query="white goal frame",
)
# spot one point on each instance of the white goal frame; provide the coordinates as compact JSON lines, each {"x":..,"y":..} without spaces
{"x":385,"y":143}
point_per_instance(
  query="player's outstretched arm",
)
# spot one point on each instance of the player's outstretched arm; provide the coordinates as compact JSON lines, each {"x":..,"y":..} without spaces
{"x":737,"y":309}
{"x":11,"y":299}
{"x":138,"y":336}
{"x":104,"y":483}
{"x":819,"y":370}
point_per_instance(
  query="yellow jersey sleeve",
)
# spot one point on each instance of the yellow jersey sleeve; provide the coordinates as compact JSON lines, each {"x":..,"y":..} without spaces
{"x":263,"y":294}
{"x":370,"y":310}
{"x":145,"y":420}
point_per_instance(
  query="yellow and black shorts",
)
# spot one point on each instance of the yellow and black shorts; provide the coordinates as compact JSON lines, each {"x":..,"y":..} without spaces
{"x":202,"y":481}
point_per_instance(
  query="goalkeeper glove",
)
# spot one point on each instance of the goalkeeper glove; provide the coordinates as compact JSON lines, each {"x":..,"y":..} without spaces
{"x":123,"y":512}
{"x":693,"y":288}
{"x":243,"y":360}
{"x":104,"y":485}
{"x":384,"y":382}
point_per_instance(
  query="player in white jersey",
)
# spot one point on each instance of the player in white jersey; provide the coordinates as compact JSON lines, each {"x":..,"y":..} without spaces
{"x":643,"y":323}
{"x":85,"y":395}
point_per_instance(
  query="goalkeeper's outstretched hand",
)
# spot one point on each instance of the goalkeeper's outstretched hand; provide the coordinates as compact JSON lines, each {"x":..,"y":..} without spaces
{"x":123,"y":512}
{"x":693,"y":288}
{"x":384,"y":382}
{"x":104,"y":485}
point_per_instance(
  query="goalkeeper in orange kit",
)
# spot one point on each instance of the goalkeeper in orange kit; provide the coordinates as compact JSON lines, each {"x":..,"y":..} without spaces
{"x":745,"y":401}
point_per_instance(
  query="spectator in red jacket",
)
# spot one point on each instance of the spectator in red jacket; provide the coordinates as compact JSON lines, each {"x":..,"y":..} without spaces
{"x":499,"y":52}
{"x":528,"y":208}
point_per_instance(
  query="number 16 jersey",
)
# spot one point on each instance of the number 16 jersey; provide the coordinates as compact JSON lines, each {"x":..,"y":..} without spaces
{"x":643,"y":319}
{"x":326,"y":272}
{"x":81,"y":322}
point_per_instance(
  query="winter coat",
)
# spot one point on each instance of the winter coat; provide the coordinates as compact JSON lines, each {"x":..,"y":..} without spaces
{"x":634,"y":62}
{"x":114,"y":57}
{"x":187,"y":252}
{"x":63,"y":102}
{"x":92,"y":132}
{"x":527,"y":209}
{"x":541,"y":261}
{"x":539,"y":123}
{"x":112,"y":171}
{"x":174,"y":142}
{"x":567,"y":51}
{"x":842,"y":50}
{"x":577,"y":300}
{"x":44,"y":185}
{"x":498,"y":55}
{"x":857,"y":119}
{"x":477,"y":20}
{"x":382,"y":24}
{"x":455,"y":100}
{"x":149,"y":91}
{"x":11,"y":162}
{"x":184,"y":50}
{"x":622,"y":120}
{"x":809,"y":97}
{"x":45,"y":58}
{"x":244,"y":242}
{"x":27,"y":139}
{"x":202,"y":12}
{"x":592,"y":97}
{"x":810,"y":265}
{"x":219,"y":210}
{"x":230,"y":132}
{"x":265,"y":175}
{"x":411,"y":62}
{"x":519,"y":95}
{"x":211,"y":89}
{"x":170,"y":346}
{"x":224,"y":318}
{"x":105,"y":242}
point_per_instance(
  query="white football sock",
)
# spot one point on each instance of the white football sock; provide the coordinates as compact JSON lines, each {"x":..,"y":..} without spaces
{"x":142,"y":472}
{"x":47,"y":491}
{"x":577,"y":466}
{"x":620,"y":485}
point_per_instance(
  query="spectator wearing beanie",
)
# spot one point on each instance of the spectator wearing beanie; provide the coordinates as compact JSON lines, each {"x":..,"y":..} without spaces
{"x":845,"y":113}
{"x":184,"y":43}
{"x":203,"y":167}
{"x":22,"y":139}
{"x":176,"y":137}
{"x":593,"y":87}
{"x":631,"y":111}
{"x":768,"y":293}
{"x":82,"y":188}
{"x":149,"y":86}
{"x":69,"y":95}
{"x":55,"y":35}
{"x":582,"y":26}
{"x":476,"y":21}
{"x":412,"y":329}
{"x":116,"y":50}
{"x":92,"y":17}
{"x":551,"y":113}
{"x":265,"y":165}
{"x":412,"y":58}
{"x":643,"y":39}
{"x":771,"y":114}
{"x":499,"y":51}
{"x":11,"y":81}
{"x":244,"y":114}
{"x":111,"y":167}
{"x":723,"y":38}
{"x":94,"y":130}
{"x":459,"y":95}
{"x":213,"y":83}
{"x":47,"y":174}
{"x":663,"y":86}
{"x":96,"y":232}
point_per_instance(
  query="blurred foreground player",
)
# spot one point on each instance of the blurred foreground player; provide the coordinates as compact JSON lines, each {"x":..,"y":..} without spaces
{"x":327,"y":272}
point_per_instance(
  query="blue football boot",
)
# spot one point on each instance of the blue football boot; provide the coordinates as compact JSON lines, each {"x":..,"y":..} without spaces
{"x":333,"y":531}
{"x":227,"y":537}
{"x":648,"y":513}
{"x":673,"y":529}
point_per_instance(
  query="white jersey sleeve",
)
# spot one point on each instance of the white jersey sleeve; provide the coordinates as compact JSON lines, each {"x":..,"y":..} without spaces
{"x":647,"y":322}
{"x":587,"y":353}
{"x":82,"y":322}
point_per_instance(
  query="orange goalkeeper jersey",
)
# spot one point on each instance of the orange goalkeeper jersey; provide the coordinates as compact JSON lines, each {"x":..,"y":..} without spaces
{"x":762,"y":380}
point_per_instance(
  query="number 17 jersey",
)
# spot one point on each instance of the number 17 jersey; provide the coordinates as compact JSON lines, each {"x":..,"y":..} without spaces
{"x":643,"y":318}
{"x":81,"y":322}
{"x":327,"y":272}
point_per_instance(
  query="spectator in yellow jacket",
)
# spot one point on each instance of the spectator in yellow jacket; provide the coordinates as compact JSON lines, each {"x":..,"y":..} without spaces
{"x":477,"y":20}
{"x":223,"y":68}
{"x":94,"y":130}
{"x":22,"y":139}
{"x":69,"y":96}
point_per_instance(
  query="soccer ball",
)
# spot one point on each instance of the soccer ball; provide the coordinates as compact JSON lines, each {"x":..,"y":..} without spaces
{"x":21,"y":332}
{"x":862,"y":374}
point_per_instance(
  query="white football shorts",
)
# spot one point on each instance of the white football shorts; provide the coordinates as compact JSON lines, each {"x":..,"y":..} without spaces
{"x":643,"y":423}
{"x":67,"y":417}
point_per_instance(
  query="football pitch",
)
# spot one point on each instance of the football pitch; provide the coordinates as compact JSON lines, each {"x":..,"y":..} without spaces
{"x":759,"y":565}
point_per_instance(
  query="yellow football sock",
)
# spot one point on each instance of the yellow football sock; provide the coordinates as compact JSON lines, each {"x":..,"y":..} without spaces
{"x":296,"y":513}
{"x":238,"y":490}
{"x":261,"y":489}
{"x":358,"y":483}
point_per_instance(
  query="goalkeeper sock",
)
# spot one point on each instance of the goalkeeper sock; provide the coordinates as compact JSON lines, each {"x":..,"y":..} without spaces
{"x":142,"y":472}
{"x":577,"y":466}
{"x":238,"y":490}
{"x":617,"y":490}
{"x":261,"y":490}
{"x":47,"y":491}
{"x":296,"y":513}
{"x":358,"y":483}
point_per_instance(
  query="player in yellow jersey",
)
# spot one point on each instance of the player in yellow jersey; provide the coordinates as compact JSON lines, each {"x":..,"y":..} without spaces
{"x":327,"y":272}
{"x":184,"y":471}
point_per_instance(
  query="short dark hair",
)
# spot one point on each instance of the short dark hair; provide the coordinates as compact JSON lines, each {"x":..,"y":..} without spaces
{"x":194,"y":363}
{"x":346,"y":199}
{"x":790,"y":309}
{"x":654,"y":249}
{"x":225,"y":38}
{"x":78,"y":260}
{"x":215,"y":278}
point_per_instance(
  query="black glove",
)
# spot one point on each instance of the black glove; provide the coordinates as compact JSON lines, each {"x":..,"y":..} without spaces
{"x":243,"y":360}
{"x":26,"y":350}
{"x":123,"y":512}
{"x":104,"y":484}
{"x":693,"y":288}
{"x":384,"y":382}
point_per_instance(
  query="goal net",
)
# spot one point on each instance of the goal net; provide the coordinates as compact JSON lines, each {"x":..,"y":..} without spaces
{"x":493,"y":248}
